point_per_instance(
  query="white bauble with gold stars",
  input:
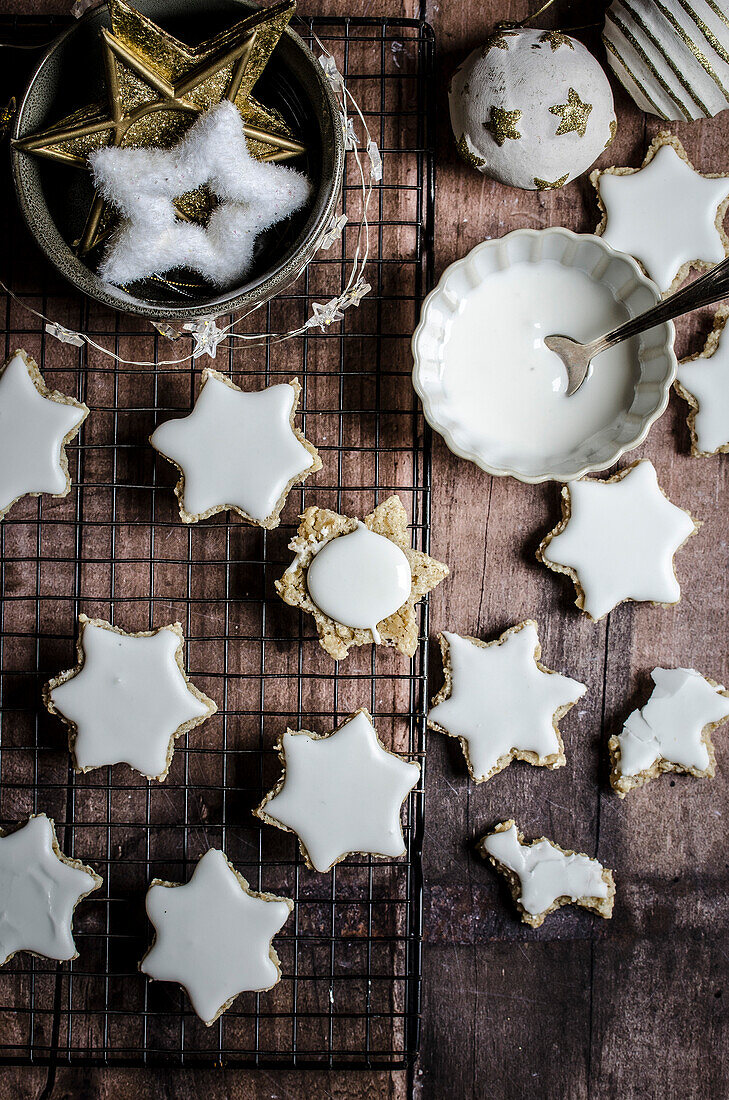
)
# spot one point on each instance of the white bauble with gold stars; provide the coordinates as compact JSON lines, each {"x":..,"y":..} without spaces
{"x":531,"y":108}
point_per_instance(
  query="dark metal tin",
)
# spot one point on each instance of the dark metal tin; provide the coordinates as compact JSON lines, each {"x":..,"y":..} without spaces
{"x":55,"y":198}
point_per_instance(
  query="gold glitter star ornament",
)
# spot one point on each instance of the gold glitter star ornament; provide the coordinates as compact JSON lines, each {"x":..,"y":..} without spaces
{"x":504,"y":99}
{"x":575,"y":115}
{"x":502,"y":125}
{"x":156,"y":87}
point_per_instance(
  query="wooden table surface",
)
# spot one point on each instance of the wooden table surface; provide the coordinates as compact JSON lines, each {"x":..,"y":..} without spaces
{"x":581,"y":1007}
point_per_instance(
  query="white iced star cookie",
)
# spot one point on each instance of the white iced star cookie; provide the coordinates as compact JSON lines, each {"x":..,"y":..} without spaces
{"x":671,"y":732}
{"x":237,"y":450}
{"x":616,"y":540}
{"x":40,"y":888}
{"x":359,"y":579}
{"x":213,"y":935}
{"x":500,"y":702}
{"x":35,"y":425}
{"x":703,"y":381}
{"x":542,"y":876}
{"x":665,"y":213}
{"x":341,"y":793}
{"x":128,"y":699}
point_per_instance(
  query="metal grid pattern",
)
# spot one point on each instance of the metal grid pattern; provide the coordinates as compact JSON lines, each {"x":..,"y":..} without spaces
{"x":115,"y":548}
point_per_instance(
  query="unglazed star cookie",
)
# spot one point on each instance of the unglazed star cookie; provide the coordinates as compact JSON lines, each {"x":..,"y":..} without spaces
{"x":542,"y":876}
{"x":672,"y":732}
{"x":35,"y":425}
{"x":128,"y":699}
{"x":703,"y":381}
{"x":665,"y":213}
{"x":360,"y":580}
{"x":213,"y":935}
{"x":341,"y":793}
{"x":237,"y":450}
{"x":617,"y":539}
{"x":40,"y":888}
{"x":500,"y":702}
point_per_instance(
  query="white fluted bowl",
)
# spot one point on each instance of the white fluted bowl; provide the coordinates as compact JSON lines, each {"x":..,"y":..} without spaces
{"x":443,"y":310}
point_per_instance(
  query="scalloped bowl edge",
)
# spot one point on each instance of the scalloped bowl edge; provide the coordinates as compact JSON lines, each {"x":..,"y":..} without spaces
{"x":421,"y":359}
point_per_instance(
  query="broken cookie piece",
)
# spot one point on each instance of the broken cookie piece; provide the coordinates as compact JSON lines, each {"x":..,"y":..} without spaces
{"x":672,"y":732}
{"x":543,"y":876}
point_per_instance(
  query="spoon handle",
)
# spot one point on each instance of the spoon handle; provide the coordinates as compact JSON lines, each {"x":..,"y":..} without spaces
{"x":710,"y":287}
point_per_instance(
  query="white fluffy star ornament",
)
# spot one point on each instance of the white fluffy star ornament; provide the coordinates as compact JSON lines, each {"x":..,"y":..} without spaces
{"x":237,"y":450}
{"x":665,"y":213}
{"x":341,"y":793}
{"x":671,"y":732}
{"x":35,"y":426}
{"x":40,"y":888}
{"x":617,"y":539}
{"x":703,"y":381}
{"x":501,"y":702}
{"x":143,"y":183}
{"x":128,"y":699}
{"x":213,"y":935}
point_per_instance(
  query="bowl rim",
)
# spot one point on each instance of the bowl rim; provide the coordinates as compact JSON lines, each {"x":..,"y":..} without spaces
{"x":267,"y":287}
{"x":430,"y":410}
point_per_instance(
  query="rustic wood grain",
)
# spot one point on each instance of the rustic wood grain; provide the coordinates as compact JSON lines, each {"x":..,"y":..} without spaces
{"x":582,"y":1007}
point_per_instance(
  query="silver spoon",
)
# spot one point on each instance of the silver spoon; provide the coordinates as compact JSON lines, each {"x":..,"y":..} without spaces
{"x":704,"y":291}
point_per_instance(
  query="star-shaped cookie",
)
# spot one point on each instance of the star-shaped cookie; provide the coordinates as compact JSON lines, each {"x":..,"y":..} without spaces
{"x":671,"y":732}
{"x":40,"y":888}
{"x":703,"y":381}
{"x":665,"y":213}
{"x":237,"y":450}
{"x":340,"y":793}
{"x":213,"y":935}
{"x":360,"y":580}
{"x":35,"y":425}
{"x":500,"y":702}
{"x":617,"y":539}
{"x":542,"y":876}
{"x":128,"y":699}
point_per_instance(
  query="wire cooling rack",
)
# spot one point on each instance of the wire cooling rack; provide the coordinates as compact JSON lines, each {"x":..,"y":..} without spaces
{"x":115,"y":548}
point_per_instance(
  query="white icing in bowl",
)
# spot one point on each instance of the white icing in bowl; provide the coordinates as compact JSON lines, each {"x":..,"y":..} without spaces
{"x":496,"y":394}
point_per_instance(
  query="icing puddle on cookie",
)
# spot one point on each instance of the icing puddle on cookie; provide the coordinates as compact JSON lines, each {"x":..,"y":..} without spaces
{"x":506,"y":390}
{"x":360,"y":579}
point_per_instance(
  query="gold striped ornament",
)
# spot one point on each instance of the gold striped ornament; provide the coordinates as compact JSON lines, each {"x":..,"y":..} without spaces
{"x":671,"y":55}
